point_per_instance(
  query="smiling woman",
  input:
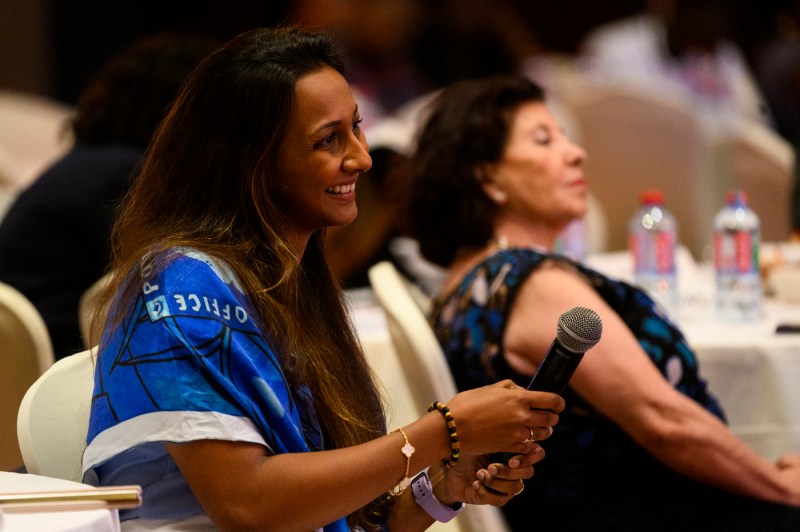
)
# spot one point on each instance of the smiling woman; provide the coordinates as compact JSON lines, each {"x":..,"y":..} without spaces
{"x":325,"y":153}
{"x":229,"y":382}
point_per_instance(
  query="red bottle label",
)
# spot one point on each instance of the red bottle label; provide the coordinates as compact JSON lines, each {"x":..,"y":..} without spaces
{"x":734,"y":252}
{"x":659,"y":252}
{"x":665,"y":256}
{"x":743,"y":244}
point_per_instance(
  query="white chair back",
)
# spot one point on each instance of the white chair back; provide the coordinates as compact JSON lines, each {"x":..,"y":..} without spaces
{"x":762,"y":163}
{"x":427,"y":373}
{"x":25,"y":353}
{"x":639,"y":138}
{"x":7,"y":198}
{"x":53,"y":418}
{"x":417,"y":347}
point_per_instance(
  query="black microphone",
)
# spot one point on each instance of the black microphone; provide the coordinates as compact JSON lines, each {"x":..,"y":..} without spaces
{"x":578,"y":330}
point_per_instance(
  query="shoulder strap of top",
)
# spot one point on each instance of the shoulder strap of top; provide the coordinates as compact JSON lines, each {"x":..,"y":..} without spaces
{"x":509,"y":267}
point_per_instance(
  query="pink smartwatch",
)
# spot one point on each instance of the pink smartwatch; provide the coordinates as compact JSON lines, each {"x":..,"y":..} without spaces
{"x":423,"y":494}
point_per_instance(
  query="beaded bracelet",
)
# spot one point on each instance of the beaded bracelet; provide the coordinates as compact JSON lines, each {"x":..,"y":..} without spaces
{"x":451,"y":429}
{"x":407,"y":449}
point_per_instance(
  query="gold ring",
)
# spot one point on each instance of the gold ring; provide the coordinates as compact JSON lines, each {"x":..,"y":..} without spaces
{"x":529,"y":440}
{"x":521,"y":489}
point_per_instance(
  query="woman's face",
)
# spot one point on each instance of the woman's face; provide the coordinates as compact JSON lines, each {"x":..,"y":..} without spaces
{"x":321,"y":156}
{"x":539,"y":177}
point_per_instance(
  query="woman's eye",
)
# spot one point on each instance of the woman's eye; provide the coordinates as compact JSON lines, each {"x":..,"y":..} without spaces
{"x":326,"y":142}
{"x":357,"y":124}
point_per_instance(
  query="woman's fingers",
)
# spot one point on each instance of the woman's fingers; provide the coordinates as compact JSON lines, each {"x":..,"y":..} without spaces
{"x":519,"y":462}
{"x":504,"y":417}
{"x":482,"y":494}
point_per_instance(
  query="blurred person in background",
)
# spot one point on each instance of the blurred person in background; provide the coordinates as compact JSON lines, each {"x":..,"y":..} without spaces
{"x":377,"y":37}
{"x":687,"y":46}
{"x":399,"y":51}
{"x":55,"y":238}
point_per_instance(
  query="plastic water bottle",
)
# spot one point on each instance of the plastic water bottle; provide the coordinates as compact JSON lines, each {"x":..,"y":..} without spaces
{"x":653,"y":235}
{"x":737,"y":234}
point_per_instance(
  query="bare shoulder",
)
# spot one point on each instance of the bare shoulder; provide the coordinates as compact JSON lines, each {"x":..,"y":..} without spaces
{"x":554,"y":282}
{"x":552,"y":289}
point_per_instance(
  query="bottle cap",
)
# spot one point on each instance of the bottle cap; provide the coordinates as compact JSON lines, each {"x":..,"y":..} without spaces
{"x":736,"y":196}
{"x":651,"y":197}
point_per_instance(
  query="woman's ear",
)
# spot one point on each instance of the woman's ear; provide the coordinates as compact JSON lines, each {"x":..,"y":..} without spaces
{"x":485,"y":175}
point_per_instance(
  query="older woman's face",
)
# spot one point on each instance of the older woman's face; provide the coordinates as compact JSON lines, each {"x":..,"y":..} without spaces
{"x":322,"y":155}
{"x":540,"y":175}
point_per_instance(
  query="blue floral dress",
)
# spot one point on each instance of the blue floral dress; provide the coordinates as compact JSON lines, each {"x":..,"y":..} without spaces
{"x":594,"y":476}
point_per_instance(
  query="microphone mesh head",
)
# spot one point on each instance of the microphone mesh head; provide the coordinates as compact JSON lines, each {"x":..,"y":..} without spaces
{"x":579,"y":329}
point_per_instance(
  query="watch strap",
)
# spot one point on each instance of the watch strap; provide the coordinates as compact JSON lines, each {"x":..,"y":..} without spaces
{"x":426,"y":499}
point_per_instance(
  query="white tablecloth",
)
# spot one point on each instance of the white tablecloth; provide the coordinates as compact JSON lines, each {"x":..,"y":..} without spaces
{"x":61,"y":521}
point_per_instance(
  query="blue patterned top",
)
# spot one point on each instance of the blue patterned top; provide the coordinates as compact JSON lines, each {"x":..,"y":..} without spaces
{"x":188,"y":363}
{"x":587,"y":451}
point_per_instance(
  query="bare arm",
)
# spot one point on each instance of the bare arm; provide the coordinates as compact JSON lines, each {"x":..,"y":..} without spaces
{"x":241,"y":487}
{"x":619,"y":380}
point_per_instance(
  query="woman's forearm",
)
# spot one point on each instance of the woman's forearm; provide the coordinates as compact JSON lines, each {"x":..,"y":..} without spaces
{"x":693,"y":442}
{"x":241,"y":488}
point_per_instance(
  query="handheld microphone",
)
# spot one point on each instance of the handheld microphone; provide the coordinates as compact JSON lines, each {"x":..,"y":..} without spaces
{"x":577,"y":331}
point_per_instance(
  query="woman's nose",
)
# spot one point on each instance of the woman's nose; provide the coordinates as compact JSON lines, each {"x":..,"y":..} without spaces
{"x":576,"y":154}
{"x":357,"y":158}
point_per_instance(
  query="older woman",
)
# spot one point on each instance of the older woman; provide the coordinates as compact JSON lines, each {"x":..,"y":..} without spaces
{"x":642,"y":444}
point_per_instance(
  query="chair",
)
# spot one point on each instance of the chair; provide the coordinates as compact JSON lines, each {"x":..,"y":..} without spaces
{"x":86,"y":306}
{"x":53,"y":418}
{"x":639,"y":138}
{"x":25,"y":353}
{"x":7,"y":197}
{"x":423,"y":362}
{"x":420,"y":353}
{"x":761,"y":163}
